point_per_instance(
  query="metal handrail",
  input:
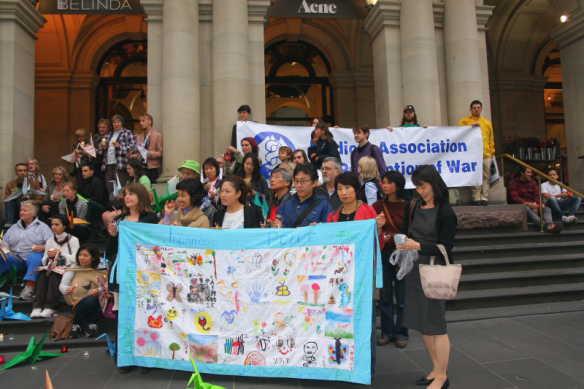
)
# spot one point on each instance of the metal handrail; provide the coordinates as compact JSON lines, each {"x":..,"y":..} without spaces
{"x":539,"y":175}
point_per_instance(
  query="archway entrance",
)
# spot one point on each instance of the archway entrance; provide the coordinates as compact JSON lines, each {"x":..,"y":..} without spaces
{"x":123,"y":87}
{"x":297,"y":85}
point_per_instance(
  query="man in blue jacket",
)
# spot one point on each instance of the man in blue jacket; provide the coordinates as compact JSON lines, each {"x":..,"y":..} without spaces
{"x":305,"y":208}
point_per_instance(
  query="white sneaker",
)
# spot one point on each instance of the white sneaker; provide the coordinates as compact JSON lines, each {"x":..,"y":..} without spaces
{"x":27,"y":293}
{"x":36,"y":312}
{"x":574,"y":219}
{"x":565,"y":219}
{"x":47,"y":313}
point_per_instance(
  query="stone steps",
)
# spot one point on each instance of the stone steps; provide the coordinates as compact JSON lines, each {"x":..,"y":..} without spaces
{"x":475,"y":241}
{"x":521,"y":279}
{"x":517,"y":250}
{"x":514,"y":264}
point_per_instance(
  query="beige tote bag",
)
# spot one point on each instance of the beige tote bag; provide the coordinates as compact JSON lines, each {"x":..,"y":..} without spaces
{"x":440,"y":282}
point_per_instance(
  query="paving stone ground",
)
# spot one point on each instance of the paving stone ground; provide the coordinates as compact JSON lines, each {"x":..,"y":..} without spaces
{"x":537,"y":351}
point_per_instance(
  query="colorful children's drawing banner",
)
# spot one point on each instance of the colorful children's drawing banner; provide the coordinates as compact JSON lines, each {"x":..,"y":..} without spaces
{"x":256,"y":302}
{"x":456,"y":152}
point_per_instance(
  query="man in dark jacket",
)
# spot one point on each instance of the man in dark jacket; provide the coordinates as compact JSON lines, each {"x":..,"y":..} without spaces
{"x":280,"y":182}
{"x":294,"y":211}
{"x":366,"y":149}
{"x":94,"y":191}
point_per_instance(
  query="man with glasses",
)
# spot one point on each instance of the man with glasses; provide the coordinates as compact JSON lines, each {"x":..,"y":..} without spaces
{"x":305,"y":207}
{"x":331,"y":168}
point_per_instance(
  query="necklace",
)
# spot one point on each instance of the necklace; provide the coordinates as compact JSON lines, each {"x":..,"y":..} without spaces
{"x":348,"y":213}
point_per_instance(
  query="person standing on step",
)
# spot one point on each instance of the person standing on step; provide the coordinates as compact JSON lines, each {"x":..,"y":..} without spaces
{"x":118,"y":143}
{"x":151,"y":140}
{"x":365,"y":149}
{"x":393,"y":206}
{"x":480,"y":193}
{"x":559,"y":199}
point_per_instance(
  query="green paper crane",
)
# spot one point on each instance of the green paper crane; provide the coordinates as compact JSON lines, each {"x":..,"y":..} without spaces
{"x":197,"y":381}
{"x":160,"y":201}
{"x":32,"y":353}
{"x":12,"y":275}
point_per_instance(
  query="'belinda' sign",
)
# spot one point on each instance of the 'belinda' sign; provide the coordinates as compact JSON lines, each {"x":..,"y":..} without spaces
{"x":91,"y":7}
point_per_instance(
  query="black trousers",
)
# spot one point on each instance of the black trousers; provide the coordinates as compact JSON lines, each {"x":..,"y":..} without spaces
{"x":88,"y":311}
{"x":47,"y":290}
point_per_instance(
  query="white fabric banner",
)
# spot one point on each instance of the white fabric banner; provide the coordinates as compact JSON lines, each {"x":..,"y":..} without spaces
{"x":457,"y":152}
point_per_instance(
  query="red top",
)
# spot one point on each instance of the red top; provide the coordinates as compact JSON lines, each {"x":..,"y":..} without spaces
{"x":364,"y":212}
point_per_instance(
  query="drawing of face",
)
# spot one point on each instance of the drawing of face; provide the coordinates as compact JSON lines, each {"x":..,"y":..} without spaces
{"x":257,"y":260}
{"x":172,"y":314}
{"x":286,"y":345}
{"x":310,"y":348}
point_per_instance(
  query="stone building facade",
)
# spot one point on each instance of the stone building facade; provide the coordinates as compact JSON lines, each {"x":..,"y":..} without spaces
{"x":191,"y":63}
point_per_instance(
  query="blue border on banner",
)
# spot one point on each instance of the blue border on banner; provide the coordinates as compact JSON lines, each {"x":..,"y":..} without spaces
{"x":360,"y":233}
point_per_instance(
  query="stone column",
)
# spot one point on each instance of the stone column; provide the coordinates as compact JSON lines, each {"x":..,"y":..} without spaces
{"x":153,"y":9}
{"x":382,"y":24}
{"x":484,"y":12}
{"x":419,"y":60}
{"x":570,"y":36}
{"x":231,"y":70}
{"x":463,"y":63}
{"x":19,"y":22}
{"x":180,"y":84}
{"x":206,"y":78}
{"x":257,"y":14}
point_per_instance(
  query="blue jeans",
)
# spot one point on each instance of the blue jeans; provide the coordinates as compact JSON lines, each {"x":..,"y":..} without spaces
{"x":33,"y":261}
{"x":390,"y":329}
{"x":93,"y":209}
{"x":12,"y":208}
{"x":88,"y":311}
{"x":558,"y":206}
{"x":7,"y":265}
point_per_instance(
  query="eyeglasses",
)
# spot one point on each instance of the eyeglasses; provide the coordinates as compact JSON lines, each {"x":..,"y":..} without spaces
{"x":326,"y":169}
{"x":301,"y":182}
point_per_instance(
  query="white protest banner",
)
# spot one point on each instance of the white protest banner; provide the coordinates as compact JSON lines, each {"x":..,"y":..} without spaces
{"x":457,"y":152}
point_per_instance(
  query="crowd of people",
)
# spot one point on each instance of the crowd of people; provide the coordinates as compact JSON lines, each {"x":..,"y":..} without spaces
{"x":49,"y":224}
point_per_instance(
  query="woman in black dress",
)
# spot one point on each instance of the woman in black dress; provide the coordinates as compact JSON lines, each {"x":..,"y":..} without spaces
{"x":432,"y":222}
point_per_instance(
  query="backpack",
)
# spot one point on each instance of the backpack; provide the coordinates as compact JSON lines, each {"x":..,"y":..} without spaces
{"x":363,"y":196}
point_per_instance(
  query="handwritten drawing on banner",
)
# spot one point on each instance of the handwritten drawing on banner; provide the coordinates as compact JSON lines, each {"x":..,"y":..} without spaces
{"x":283,"y":303}
{"x":457,"y":152}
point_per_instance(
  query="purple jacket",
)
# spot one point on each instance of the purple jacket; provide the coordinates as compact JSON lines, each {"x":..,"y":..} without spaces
{"x":366,"y":151}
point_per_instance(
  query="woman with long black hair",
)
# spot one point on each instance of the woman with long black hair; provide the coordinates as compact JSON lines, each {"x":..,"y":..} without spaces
{"x":251,"y":172}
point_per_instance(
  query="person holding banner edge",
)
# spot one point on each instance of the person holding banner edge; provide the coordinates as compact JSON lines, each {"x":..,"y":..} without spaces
{"x":480,"y":193}
{"x":409,"y":118}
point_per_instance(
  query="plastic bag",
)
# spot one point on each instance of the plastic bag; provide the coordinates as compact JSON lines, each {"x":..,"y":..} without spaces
{"x":404,"y":259}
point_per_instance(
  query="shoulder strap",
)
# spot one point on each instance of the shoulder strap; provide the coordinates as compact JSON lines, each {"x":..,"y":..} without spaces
{"x":412,"y":206}
{"x":305,"y":213}
{"x":371,"y":149}
{"x":389,"y":216}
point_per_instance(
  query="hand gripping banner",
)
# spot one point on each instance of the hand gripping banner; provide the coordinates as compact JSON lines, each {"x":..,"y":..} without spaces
{"x":250,"y":302}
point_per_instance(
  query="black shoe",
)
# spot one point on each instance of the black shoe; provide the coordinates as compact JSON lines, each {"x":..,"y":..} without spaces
{"x":75,"y":331}
{"x":424,"y":381}
{"x":143,"y":370}
{"x":446,"y":384}
{"x":484,"y":202}
{"x":124,"y":369}
{"x":478,"y":203}
{"x":91,"y":331}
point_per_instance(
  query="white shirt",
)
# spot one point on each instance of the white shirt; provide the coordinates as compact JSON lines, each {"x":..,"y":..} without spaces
{"x":233,"y":221}
{"x":111,"y":150}
{"x":551,"y":189}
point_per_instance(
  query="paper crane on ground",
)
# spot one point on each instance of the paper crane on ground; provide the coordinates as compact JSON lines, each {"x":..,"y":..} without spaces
{"x":118,"y":188}
{"x":24,"y":191}
{"x":111,"y":347}
{"x":197,"y":381}
{"x":32,"y":354}
{"x":10,"y":275}
{"x":6,"y":312}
